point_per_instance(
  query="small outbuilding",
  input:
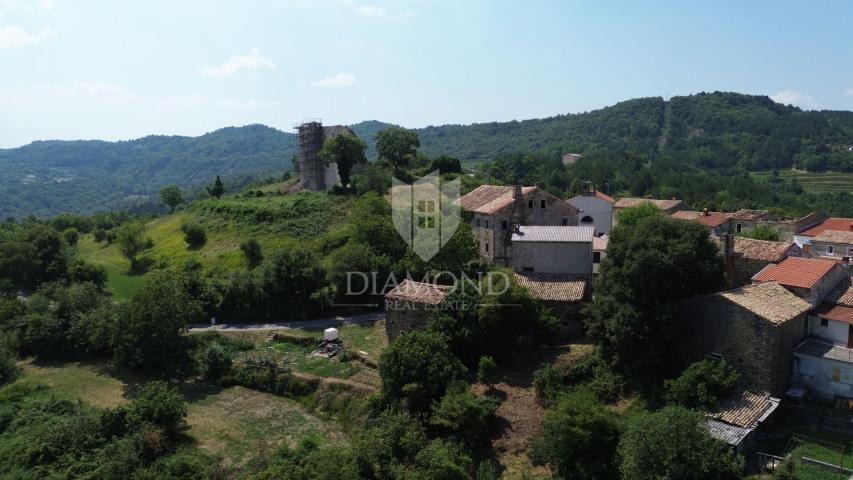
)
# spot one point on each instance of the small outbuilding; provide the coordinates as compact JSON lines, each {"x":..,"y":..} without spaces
{"x":410,"y":305}
{"x":739,"y":416}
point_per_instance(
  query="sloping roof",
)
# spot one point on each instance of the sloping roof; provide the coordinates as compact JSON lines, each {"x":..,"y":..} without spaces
{"x":553,"y":287}
{"x":605,"y":197}
{"x":489,"y":199}
{"x":334,"y":130}
{"x":795,"y":272}
{"x":841,"y":224}
{"x":599,"y":244}
{"x":842,"y":294}
{"x":419,"y":292}
{"x":831,"y":311}
{"x":834,"y":236}
{"x":633,"y":202}
{"x":543,"y":233}
{"x":764,"y":250}
{"x":768,"y":300}
{"x":752,"y":215}
{"x":739,"y":414}
{"x":710,"y":219}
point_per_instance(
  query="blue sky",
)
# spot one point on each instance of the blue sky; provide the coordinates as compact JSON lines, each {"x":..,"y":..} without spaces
{"x":120,"y":69}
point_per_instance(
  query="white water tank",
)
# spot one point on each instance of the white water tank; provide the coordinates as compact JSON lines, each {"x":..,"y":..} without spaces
{"x":330,"y":334}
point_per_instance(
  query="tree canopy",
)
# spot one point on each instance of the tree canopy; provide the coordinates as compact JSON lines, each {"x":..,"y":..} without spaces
{"x":397,"y":145}
{"x":346,"y":151}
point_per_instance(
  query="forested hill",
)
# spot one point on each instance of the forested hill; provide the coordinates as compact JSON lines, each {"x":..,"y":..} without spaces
{"x":709,"y":130}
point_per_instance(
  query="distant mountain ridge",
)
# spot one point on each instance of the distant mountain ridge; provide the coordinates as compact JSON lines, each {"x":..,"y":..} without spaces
{"x":711,"y":130}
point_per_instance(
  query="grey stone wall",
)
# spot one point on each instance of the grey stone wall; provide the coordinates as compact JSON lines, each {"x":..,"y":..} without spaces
{"x":760,"y":350}
{"x":405,"y":316}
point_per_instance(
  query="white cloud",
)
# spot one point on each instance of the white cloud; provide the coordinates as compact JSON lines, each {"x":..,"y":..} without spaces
{"x":371,"y":10}
{"x":339,"y":80}
{"x":16,"y":36}
{"x":251,"y":61}
{"x":848,"y":92}
{"x":793,"y":97}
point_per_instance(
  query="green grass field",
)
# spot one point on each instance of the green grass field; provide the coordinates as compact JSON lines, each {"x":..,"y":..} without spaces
{"x":814,"y":182}
{"x":275,"y":221}
{"x":236,"y":424}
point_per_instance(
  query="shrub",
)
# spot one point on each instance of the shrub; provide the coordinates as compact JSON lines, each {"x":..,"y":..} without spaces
{"x":548,"y":381}
{"x":702,"y":385}
{"x":194,"y":235}
{"x":216,"y":362}
{"x":159,"y":405}
{"x":464,"y":415}
{"x":82,"y":272}
{"x":8,"y":367}
{"x":487,"y":371}
{"x":71,"y":236}
{"x":100,"y":234}
{"x":253,"y":252}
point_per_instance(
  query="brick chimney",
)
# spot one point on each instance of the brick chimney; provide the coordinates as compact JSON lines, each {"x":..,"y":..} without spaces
{"x":705,"y":212}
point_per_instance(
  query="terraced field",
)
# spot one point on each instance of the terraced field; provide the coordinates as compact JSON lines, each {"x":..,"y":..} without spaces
{"x":814,"y":182}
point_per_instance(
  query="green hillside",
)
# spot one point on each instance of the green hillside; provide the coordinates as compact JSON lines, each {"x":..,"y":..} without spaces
{"x":711,"y":131}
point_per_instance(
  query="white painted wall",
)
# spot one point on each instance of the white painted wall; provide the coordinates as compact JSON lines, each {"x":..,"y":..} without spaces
{"x":835,"y":332}
{"x":600,"y":210}
{"x":553,"y":257}
{"x":824,"y":377}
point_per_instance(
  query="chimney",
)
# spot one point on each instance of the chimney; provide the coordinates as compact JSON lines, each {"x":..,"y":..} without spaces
{"x":728,"y":245}
{"x":705,"y":212}
{"x":516,"y":192}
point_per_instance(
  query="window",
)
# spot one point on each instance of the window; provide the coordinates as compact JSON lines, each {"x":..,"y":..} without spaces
{"x":487,"y":224}
{"x":850,"y":251}
{"x":738,"y":227}
{"x":824,"y":322}
{"x":487,"y":247}
{"x":541,"y":203}
{"x":477,"y":221}
{"x":830,"y":249}
{"x":596,"y":257}
{"x":564,"y":222}
{"x":503,"y":224}
{"x":530,"y":204}
{"x":587,"y":219}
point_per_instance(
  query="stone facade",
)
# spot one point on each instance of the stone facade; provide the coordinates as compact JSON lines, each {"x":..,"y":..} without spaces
{"x":410,"y":305}
{"x":761,"y":349}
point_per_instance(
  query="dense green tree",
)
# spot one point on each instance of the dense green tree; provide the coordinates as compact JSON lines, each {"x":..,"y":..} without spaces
{"x":8,"y":366}
{"x":462,"y":415}
{"x":762,"y":232}
{"x":131,"y":240}
{"x":487,"y":371}
{"x":171,"y":195}
{"x":509,"y":315}
{"x":194,"y":235}
{"x":396,"y":146}
{"x":702,"y":385}
{"x":649,"y":268}
{"x":71,"y":236}
{"x":217,"y":189}
{"x":389,"y":442}
{"x":673,"y":444}
{"x":291,"y":280}
{"x":416,"y":370}
{"x":149,"y":327}
{"x":252,"y":251}
{"x":630,"y":216}
{"x":578,"y":440}
{"x":446,"y":164}
{"x":346,"y":151}
{"x":159,"y":405}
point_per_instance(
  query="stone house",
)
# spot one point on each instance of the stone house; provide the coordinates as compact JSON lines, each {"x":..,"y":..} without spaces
{"x":834,"y":245}
{"x":805,"y":236}
{"x":823,"y":363}
{"x":547,"y":249}
{"x":745,"y":257}
{"x":754,"y":328}
{"x":718,"y":223}
{"x":809,"y":278}
{"x":497,"y":209}
{"x":410,"y":305}
{"x":594,"y":208}
{"x":562,"y":293}
{"x":667,"y":206}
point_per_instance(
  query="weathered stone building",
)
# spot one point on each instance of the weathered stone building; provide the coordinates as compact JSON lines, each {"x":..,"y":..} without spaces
{"x":314,"y":173}
{"x":497,"y":209}
{"x":834,"y":245}
{"x":745,"y":257}
{"x":410,"y":305}
{"x":562,"y":293}
{"x":755,"y":329}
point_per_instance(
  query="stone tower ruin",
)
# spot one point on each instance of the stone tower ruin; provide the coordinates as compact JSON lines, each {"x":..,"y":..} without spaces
{"x":314,"y":174}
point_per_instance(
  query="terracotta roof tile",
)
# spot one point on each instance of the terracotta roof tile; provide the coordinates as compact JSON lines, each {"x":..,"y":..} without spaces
{"x":842,"y":224}
{"x":489,"y":199}
{"x":419,"y":292}
{"x":553,"y":286}
{"x":752,"y":215}
{"x":842,"y":294}
{"x":831,"y":311}
{"x":768,"y":300}
{"x":599,"y":244}
{"x":795,"y":272}
{"x":604,"y":196}
{"x":834,"y":236}
{"x":633,"y":202}
{"x":710,"y":219}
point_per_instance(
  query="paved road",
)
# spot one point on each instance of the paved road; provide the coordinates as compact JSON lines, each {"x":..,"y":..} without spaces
{"x":312,"y":324}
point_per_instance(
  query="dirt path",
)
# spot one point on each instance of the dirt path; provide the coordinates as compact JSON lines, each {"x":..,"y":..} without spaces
{"x":309,"y":324}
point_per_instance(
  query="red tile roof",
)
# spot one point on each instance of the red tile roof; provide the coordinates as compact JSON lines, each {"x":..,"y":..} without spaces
{"x":839,"y":313}
{"x":842,"y":294}
{"x":841,"y":224}
{"x":709,"y":219}
{"x":661,"y":204}
{"x":752,"y":249}
{"x":605,"y":197}
{"x":599,"y":244}
{"x":795,"y":272}
{"x":489,"y":199}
